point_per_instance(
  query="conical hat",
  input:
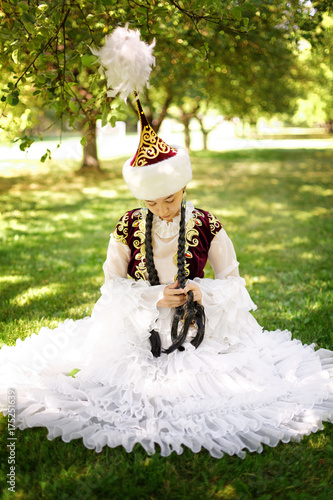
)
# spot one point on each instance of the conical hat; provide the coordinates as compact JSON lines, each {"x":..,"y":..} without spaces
{"x":157,"y":170}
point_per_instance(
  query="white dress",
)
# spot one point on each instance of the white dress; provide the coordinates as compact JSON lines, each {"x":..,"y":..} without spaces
{"x":242,"y":388}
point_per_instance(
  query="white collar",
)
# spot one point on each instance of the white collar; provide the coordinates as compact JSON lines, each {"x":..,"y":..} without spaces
{"x":165,"y":229}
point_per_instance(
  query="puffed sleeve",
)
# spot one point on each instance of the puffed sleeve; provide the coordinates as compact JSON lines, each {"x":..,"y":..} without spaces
{"x":135,"y":300}
{"x":117,"y":259}
{"x":222,"y":256}
{"x":225,"y":296}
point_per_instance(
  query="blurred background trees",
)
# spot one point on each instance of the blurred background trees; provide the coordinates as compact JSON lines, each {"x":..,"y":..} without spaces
{"x":244,"y":59}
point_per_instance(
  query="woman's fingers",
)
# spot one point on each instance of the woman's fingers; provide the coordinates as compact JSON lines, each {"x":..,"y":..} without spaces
{"x":172,"y":296}
{"x":197,"y":295}
{"x":175,"y":297}
{"x":172,"y":286}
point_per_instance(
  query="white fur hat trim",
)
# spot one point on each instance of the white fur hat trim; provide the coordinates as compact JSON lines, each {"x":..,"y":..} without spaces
{"x":160,"y":179}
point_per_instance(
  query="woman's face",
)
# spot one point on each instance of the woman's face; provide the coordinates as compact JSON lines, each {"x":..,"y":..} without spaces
{"x":166,"y":208}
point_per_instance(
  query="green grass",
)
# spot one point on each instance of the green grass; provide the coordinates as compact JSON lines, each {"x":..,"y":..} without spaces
{"x":276,"y":205}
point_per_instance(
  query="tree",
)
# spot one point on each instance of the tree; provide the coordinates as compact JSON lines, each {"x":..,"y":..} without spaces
{"x":316,"y":104}
{"x":48,"y":42}
{"x":248,"y":77}
{"x":44,"y":50}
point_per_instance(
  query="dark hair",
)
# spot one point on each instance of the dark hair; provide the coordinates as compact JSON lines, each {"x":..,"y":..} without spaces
{"x":155,"y":339}
{"x":191,"y":312}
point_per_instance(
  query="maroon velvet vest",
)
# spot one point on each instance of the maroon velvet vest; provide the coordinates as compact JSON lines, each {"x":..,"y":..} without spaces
{"x":199,"y":232}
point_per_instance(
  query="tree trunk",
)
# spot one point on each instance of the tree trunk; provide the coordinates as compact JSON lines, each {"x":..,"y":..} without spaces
{"x":90,"y":158}
{"x":158,"y":122}
{"x":185,"y":117}
{"x":186,"y":123}
{"x":154,"y":122}
{"x":205,"y":139}
{"x":203,"y":131}
{"x":329,"y":126}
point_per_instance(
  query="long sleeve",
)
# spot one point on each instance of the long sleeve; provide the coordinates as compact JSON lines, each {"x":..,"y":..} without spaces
{"x":226,"y":295}
{"x":141,"y":298}
{"x":222,"y":256}
{"x":117,"y":259}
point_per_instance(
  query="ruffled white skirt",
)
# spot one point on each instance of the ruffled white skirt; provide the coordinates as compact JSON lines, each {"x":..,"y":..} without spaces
{"x":242,"y":388}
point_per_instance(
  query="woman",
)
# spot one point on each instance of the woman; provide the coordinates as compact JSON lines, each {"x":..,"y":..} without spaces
{"x":168,"y":357}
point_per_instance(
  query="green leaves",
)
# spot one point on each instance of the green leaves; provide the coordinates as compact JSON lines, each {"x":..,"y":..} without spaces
{"x":23,"y":6}
{"x":249,"y":6}
{"x":241,"y":15}
{"x":13,"y":99}
{"x":109,"y":3}
{"x":73,"y":372}
{"x":15,"y":56}
{"x":46,"y":156}
{"x":28,"y":18}
{"x":25,"y":142}
{"x":74,"y":106}
{"x":62,"y":75}
{"x":236,"y":12}
{"x":88,"y":60}
{"x":42,"y":6}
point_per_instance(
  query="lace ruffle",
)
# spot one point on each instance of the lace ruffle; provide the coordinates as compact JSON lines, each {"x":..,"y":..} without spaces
{"x":241,"y":389}
{"x":165,"y":229}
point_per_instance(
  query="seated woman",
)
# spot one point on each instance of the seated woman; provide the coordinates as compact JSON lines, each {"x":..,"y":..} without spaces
{"x":168,"y":357}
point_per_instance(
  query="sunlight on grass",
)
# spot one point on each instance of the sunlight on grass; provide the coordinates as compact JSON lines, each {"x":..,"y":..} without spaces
{"x":35,"y":293}
{"x":310,"y":214}
{"x":227,"y":492}
{"x":268,"y":248}
{"x":100,"y":192}
{"x":63,"y":216}
{"x":310,"y":256}
{"x":299,"y":240}
{"x":17,"y":225}
{"x":250,"y":280}
{"x":72,"y":235}
{"x":320,"y":441}
{"x":13,"y":279}
{"x":224,"y":212}
{"x":16,"y":168}
{"x":316,"y":190}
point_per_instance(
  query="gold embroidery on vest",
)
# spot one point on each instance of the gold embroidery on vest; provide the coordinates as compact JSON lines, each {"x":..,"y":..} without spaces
{"x":214,"y":224}
{"x":122,"y":227}
{"x":139,"y":243}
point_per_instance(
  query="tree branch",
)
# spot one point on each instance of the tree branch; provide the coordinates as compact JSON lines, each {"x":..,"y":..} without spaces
{"x":86,"y":22}
{"x":44,"y":48}
{"x":199,"y":17}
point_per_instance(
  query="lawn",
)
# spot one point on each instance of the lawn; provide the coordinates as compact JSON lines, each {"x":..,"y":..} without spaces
{"x":276,"y":206}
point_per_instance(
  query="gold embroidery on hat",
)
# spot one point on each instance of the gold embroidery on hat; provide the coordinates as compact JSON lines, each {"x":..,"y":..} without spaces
{"x":151,"y":146}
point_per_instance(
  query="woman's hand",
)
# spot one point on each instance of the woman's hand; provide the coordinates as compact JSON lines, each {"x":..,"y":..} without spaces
{"x":174,"y":297}
{"x":197,"y":295}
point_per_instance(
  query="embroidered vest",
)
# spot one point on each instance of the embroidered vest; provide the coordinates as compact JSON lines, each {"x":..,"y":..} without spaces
{"x":199,"y":232}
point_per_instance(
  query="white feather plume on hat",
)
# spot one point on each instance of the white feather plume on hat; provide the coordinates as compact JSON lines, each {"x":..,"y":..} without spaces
{"x":127,"y":61}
